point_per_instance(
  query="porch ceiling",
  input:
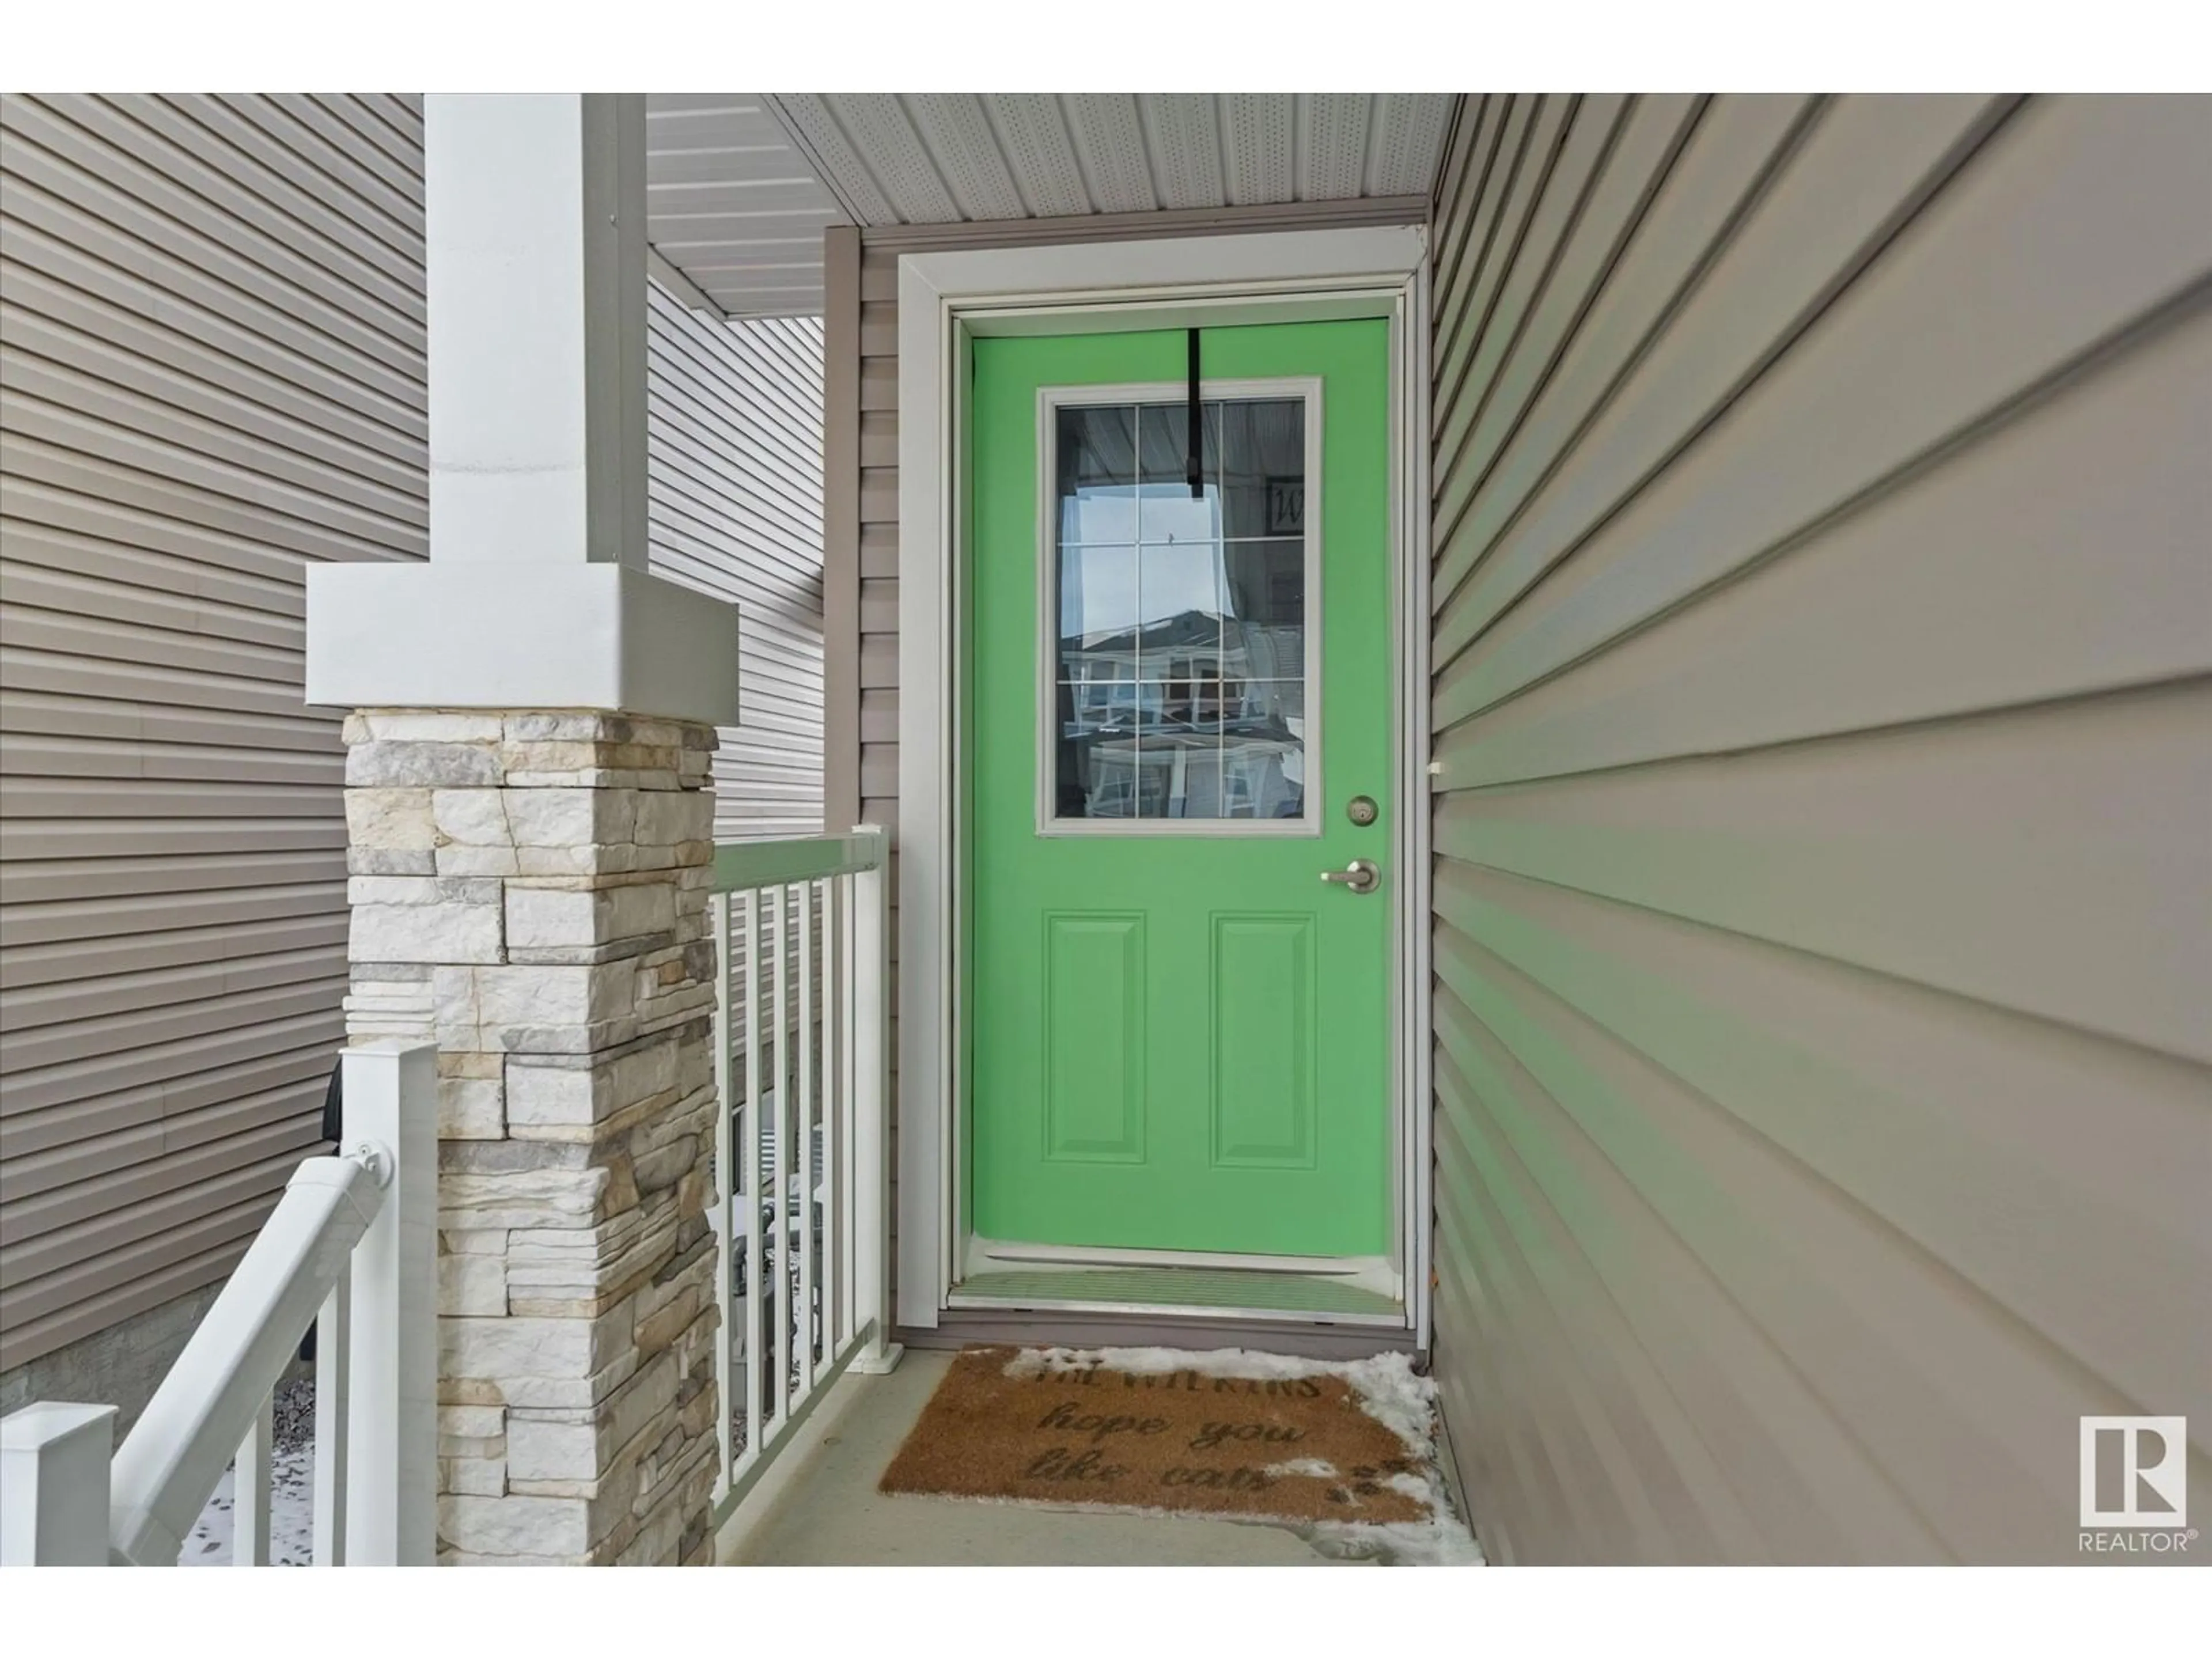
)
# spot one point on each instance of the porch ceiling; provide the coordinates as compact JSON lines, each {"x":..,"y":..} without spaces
{"x":941,"y":158}
{"x":733,"y":205}
{"x":741,"y":184}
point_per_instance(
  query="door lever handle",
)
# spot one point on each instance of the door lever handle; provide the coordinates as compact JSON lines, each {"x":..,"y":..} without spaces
{"x":1360,"y":876}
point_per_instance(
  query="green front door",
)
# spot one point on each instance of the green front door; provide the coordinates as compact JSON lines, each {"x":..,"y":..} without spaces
{"x":1178,"y":1030}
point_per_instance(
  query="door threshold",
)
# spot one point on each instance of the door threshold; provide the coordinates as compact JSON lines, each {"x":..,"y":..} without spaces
{"x":1002,"y":1326}
{"x":1182,"y":1292}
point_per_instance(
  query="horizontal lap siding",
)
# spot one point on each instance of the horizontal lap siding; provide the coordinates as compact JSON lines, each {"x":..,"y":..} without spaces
{"x":1824,"y":657}
{"x":734,"y":490}
{"x":214,"y":376}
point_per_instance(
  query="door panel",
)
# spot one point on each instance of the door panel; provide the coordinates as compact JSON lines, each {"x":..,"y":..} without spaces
{"x":1264,"y":1031}
{"x":1179,"y":1035}
{"x":1094,"y":1037}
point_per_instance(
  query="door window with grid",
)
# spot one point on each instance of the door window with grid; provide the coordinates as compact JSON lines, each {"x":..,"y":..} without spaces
{"x":1180,"y":672}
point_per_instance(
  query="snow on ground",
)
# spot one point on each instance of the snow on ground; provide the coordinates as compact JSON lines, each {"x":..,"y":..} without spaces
{"x":291,"y":1493}
{"x":1388,"y":1389}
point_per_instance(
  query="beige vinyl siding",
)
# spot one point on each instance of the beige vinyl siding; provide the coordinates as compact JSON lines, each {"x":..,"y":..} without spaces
{"x":213,"y":372}
{"x":733,"y":485}
{"x":1824,"y":661}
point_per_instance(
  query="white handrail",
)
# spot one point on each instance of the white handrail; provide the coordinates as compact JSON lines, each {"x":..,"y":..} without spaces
{"x":740,"y":864}
{"x":353,"y":1238}
{"x":174,"y":1457}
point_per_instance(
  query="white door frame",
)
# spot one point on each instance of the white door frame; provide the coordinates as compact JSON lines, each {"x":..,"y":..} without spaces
{"x":946,"y":300}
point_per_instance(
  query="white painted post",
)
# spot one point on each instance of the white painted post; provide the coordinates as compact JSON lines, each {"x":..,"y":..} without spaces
{"x":333,"y":1344}
{"x":54,"y":1465}
{"x":537,"y":594}
{"x":250,"y":1481}
{"x":392,"y":1101}
{"x":535,"y":223}
{"x":871,"y":1101}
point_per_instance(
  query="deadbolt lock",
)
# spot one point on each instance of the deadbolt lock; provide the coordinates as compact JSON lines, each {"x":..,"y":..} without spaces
{"x":1362,"y":810}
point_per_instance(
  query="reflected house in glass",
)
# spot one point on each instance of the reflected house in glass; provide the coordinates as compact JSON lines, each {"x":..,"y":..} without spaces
{"x":1183,"y":717}
{"x":1181,"y":680}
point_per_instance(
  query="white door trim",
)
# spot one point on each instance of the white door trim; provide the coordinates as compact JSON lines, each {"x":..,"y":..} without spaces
{"x":945,"y":302}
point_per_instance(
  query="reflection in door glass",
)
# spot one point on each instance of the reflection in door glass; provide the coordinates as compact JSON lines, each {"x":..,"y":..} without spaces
{"x":1180,"y":682}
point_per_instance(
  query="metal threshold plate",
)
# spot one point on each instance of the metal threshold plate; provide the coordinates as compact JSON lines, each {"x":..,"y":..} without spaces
{"x":1180,"y":1291}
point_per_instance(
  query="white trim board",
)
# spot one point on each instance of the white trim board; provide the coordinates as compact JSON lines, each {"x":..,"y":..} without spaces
{"x":1372,"y":1273}
{"x":570,"y":635}
{"x":945,"y":300}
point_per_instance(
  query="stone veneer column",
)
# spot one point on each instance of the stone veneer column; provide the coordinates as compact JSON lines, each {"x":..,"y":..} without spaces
{"x":531,"y":890}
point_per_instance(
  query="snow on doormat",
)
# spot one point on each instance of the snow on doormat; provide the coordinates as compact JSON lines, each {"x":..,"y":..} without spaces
{"x":1344,"y":1452}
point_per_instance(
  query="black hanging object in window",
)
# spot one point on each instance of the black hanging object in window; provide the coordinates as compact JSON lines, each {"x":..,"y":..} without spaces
{"x":1193,"y":455}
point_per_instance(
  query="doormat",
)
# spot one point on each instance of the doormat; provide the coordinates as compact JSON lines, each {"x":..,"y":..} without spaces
{"x":1346,"y":1448}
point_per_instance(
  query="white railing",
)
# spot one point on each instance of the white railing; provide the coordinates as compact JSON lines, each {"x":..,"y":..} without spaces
{"x":801,"y":1162}
{"x":351,"y":1249}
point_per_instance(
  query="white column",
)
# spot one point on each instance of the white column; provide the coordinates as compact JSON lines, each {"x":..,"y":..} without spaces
{"x":537,"y":595}
{"x":529,"y":815}
{"x":535,"y":211}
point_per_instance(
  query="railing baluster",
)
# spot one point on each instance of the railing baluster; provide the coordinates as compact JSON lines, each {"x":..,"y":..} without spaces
{"x":803,"y":1110}
{"x":751,"y":1139}
{"x":803,"y":1214}
{"x":726,"y":1177}
{"x":333,"y":1334}
{"x":833,"y":1143}
{"x":249,"y":1490}
{"x":782,"y":1202}
{"x":854,"y":1015}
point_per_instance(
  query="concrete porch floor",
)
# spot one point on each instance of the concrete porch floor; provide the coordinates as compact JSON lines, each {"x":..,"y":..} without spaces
{"x":824,"y":1509}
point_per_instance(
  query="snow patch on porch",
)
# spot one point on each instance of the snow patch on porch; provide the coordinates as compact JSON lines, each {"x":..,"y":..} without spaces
{"x":1319,"y":1467}
{"x":1389,"y":1390}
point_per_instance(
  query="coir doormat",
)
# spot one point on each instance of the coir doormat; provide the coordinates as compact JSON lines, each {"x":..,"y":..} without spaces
{"x":1228,"y":1433}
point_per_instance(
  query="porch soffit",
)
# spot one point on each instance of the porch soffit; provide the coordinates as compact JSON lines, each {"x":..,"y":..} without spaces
{"x":733,"y":205}
{"x":742,"y":185}
{"x":948,"y":158}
